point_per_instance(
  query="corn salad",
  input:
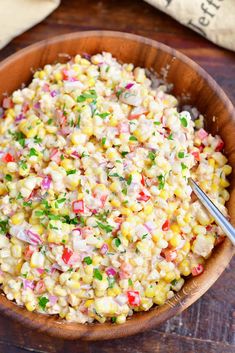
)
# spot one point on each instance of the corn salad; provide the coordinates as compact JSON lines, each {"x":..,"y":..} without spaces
{"x":96,"y":215}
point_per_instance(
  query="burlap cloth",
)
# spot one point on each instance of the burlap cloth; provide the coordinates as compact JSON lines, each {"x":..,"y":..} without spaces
{"x":213,"y":19}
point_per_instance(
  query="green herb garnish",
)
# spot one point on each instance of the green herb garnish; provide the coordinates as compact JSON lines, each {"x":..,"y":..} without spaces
{"x":33,"y":152}
{"x":103,"y":115}
{"x":106,"y":227}
{"x":42,"y":302}
{"x":87,"y":260}
{"x":129,"y":180}
{"x":97,"y":274}
{"x":8,"y":177}
{"x":184,"y":122}
{"x":117,"y":242}
{"x":71,"y":171}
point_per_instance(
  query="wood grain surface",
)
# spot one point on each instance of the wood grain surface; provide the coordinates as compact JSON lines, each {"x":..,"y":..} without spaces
{"x":209,"y":325}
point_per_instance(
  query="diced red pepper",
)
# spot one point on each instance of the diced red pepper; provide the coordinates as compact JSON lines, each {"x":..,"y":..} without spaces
{"x":142,"y":180}
{"x":166,"y":225}
{"x":197,"y":270}
{"x":219,"y":146}
{"x":78,"y":206}
{"x":40,"y":287}
{"x":25,"y":108}
{"x":134,"y":116}
{"x":66,"y":75}
{"x":7,"y":103}
{"x":67,"y":253}
{"x":8,"y":158}
{"x":133,"y":297}
{"x":143,"y":197}
{"x":196,"y":155}
{"x":208,"y":228}
{"x":170,"y":255}
{"x":201,"y":148}
{"x":55,"y":155}
{"x":28,"y":252}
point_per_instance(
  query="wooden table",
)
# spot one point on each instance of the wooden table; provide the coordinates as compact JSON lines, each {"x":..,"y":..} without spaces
{"x":208,"y":325}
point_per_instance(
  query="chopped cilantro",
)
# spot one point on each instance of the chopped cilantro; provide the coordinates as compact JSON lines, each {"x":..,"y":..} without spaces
{"x":79,"y":120}
{"x":106,"y":227}
{"x":97,"y":274}
{"x":132,"y":138}
{"x":157,"y":123}
{"x":87,"y":260}
{"x":61,"y":200}
{"x":113,"y":319}
{"x":103,"y":141}
{"x":124,"y":153}
{"x":174,"y":282}
{"x":161,"y":181}
{"x":118,"y":93}
{"x":111,"y":281}
{"x":37,"y":139}
{"x":71,"y":171}
{"x":129,"y":180}
{"x":183,"y":166}
{"x":27,"y":204}
{"x":117,"y":242}
{"x":144,"y":236}
{"x":4,"y":226}
{"x":116,"y":175}
{"x":103,"y":115}
{"x":181,"y":154}
{"x":130,"y":283}
{"x":8,"y":177}
{"x":124,"y":191}
{"x":23,"y":165}
{"x":170,"y":137}
{"x":33,"y":152}
{"x":84,"y":155}
{"x":54,"y":217}
{"x":91,"y":94}
{"x":184,"y":122}
{"x":42,"y":302}
{"x":102,"y":216}
{"x":40,"y":213}
{"x":152,"y":156}
{"x":49,"y":122}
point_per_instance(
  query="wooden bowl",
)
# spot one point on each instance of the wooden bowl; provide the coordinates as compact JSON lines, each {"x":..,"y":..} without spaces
{"x":191,"y":83}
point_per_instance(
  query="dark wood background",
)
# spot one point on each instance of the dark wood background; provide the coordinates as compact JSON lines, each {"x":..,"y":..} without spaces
{"x":208,"y":326}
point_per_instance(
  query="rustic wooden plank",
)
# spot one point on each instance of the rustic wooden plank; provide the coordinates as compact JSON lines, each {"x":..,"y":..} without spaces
{"x":208,"y":325}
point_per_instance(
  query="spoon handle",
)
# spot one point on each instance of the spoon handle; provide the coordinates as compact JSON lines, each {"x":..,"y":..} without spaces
{"x":219,"y":218}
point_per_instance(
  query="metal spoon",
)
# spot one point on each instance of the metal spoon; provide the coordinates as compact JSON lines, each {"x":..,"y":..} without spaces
{"x":219,"y":218}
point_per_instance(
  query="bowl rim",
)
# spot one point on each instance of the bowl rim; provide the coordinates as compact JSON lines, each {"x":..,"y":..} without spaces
{"x":156,"y":315}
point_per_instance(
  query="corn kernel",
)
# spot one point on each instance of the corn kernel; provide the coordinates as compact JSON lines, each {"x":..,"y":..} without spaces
{"x":184,"y":268}
{"x":17,"y":218}
{"x":30,"y":306}
{"x":148,"y":210}
{"x":224,"y":183}
{"x":121,"y":319}
{"x":175,"y":240}
{"x":175,"y":228}
{"x":227,"y":169}
{"x":113,"y":121}
{"x":88,"y":303}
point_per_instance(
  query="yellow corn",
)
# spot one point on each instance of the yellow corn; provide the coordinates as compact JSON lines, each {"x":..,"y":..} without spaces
{"x":17,"y":218}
